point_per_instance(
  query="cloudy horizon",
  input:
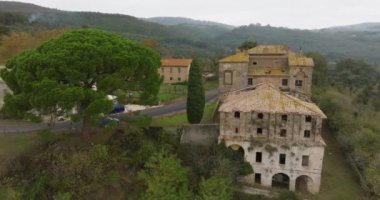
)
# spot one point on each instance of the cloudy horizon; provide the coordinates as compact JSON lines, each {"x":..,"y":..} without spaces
{"x":291,"y":13}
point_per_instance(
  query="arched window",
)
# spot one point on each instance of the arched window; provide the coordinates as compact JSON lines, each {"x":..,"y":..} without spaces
{"x":260,"y":115}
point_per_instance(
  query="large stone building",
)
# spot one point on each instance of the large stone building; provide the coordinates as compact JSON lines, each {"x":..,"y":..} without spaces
{"x":276,"y":64}
{"x":175,"y":70}
{"x":266,"y":113}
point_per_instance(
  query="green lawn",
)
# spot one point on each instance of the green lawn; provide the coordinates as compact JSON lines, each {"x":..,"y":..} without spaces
{"x":173,"y":92}
{"x":210,"y":85}
{"x":181,"y":118}
{"x":338,"y":181}
{"x":12,"y":145}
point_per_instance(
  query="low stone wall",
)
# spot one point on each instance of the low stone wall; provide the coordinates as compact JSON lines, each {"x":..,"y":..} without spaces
{"x":200,"y":134}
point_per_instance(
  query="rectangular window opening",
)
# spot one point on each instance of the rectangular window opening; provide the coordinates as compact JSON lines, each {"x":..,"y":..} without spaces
{"x":258,"y":178}
{"x":284,"y":82}
{"x":227,"y":78}
{"x":283,"y":133}
{"x":299,"y":83}
{"x":282,"y":159}
{"x":237,"y":114}
{"x":306,"y":134}
{"x":284,"y":118}
{"x":258,"y":157}
{"x":250,"y":81}
{"x":259,"y":131}
{"x":308,"y":118}
{"x":305,"y":161}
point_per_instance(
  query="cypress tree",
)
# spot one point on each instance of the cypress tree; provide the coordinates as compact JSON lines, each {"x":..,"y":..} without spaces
{"x":195,"y":94}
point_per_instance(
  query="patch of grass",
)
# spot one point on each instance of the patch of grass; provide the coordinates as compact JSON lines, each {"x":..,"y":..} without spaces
{"x":181,"y":118}
{"x":171,"y":92}
{"x":210,"y":85}
{"x":338,"y":181}
{"x":12,"y":145}
{"x":207,"y":113}
{"x":168,"y":97}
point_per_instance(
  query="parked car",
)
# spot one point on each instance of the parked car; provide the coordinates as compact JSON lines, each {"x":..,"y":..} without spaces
{"x":105,"y":121}
{"x":118,"y":109}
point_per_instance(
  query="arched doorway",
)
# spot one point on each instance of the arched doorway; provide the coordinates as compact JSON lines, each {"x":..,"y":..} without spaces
{"x":300,"y":80}
{"x":304,"y":184}
{"x":280,"y":180}
{"x":239,"y":151}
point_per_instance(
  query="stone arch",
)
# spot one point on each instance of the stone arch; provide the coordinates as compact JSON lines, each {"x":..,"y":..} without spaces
{"x":280,"y":180}
{"x":300,"y":76}
{"x":304,"y":184}
{"x":239,"y":149}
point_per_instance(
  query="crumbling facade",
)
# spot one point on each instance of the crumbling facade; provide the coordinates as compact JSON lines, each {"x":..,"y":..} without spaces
{"x":275,"y":125}
{"x":276,"y":64}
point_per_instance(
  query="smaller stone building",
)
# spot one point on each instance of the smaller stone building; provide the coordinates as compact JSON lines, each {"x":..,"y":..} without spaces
{"x":279,"y":135}
{"x":175,"y":70}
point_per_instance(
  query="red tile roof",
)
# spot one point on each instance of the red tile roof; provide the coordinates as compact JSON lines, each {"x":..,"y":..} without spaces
{"x":172,"y":62}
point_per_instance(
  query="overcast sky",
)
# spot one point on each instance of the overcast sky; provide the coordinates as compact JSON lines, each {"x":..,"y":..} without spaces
{"x":303,"y":14}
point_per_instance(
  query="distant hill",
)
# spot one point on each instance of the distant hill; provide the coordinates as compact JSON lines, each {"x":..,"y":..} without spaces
{"x":171,"y":21}
{"x":12,"y":6}
{"x":334,"y":45}
{"x":364,"y":27}
{"x":183,"y":37}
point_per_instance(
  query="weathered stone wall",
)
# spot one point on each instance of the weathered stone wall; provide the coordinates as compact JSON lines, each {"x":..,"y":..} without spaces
{"x":239,"y":76}
{"x":201,"y":134}
{"x":268,"y":61}
{"x":295,"y":73}
{"x":271,"y":125}
{"x":274,"y":80}
{"x":271,"y":144}
{"x":269,"y":165}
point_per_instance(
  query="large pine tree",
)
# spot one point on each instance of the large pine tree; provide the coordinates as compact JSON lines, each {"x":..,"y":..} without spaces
{"x":195,"y":94}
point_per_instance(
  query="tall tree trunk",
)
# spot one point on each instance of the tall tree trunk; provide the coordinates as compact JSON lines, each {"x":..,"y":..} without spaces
{"x":86,"y":129}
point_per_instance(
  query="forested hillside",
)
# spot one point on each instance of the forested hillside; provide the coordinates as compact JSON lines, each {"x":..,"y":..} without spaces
{"x":350,"y":97}
{"x":181,"y":37}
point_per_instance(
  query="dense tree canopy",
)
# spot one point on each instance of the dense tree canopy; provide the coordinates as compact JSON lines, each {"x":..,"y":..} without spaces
{"x":354,"y":74}
{"x":320,"y":72}
{"x":78,"y":70}
{"x":247,"y":45}
{"x":166,"y":178}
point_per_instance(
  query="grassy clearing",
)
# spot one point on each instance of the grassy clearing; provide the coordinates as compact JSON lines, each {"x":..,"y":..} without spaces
{"x":12,"y":145}
{"x":210,"y":85}
{"x":338,"y":181}
{"x":181,"y":118}
{"x":173,"y":92}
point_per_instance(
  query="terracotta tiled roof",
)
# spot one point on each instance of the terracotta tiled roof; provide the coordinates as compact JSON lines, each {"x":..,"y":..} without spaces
{"x":269,"y":49}
{"x":267,"y":98}
{"x":239,"y":57}
{"x":299,"y":60}
{"x":173,"y":62}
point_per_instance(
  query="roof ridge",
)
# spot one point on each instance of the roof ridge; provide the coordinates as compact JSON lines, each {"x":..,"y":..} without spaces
{"x":304,"y":103}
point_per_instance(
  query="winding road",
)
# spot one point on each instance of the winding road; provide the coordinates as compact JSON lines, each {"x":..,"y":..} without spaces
{"x":174,"y":107}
